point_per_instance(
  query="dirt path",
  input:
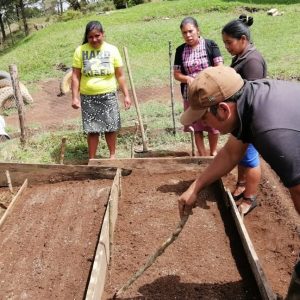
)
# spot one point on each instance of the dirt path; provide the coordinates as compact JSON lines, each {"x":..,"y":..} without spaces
{"x":50,"y":111}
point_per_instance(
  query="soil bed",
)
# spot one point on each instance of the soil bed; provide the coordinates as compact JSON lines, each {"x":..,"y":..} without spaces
{"x":48,"y":241}
{"x":274,"y":228}
{"x":207,"y":260}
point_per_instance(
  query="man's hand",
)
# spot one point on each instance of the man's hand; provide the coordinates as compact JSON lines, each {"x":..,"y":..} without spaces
{"x":186,"y":202}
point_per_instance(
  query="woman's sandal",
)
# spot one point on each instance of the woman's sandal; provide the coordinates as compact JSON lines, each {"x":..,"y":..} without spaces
{"x":249,"y":200}
{"x":239,"y":196}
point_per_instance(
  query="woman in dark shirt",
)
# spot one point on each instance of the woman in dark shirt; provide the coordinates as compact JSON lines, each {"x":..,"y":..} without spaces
{"x":250,"y":64}
{"x":191,"y":58}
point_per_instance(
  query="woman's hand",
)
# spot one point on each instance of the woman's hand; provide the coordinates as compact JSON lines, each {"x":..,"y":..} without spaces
{"x":127,"y":102}
{"x":76,"y":103}
{"x":76,"y":75}
{"x":189,"y":80}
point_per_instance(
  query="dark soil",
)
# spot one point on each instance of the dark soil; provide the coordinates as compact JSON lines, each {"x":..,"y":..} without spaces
{"x":207,"y":261}
{"x":49,"y":239}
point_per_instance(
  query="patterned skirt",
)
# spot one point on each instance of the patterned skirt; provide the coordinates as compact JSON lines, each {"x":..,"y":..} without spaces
{"x":100,"y":113}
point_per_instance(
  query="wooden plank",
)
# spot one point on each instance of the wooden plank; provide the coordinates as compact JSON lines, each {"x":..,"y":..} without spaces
{"x":154,"y":165}
{"x":261,"y":280}
{"x":13,"y":202}
{"x":113,"y":205}
{"x":104,"y":247}
{"x":41,"y":173}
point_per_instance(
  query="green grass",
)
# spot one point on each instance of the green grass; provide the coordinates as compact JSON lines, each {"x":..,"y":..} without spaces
{"x":45,"y":147}
{"x":146,"y":31}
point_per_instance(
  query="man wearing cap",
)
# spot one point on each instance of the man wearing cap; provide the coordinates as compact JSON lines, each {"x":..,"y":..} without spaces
{"x":263,"y":112}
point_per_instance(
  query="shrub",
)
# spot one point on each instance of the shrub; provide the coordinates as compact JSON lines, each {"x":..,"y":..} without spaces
{"x":119,"y":4}
{"x":128,"y":3}
{"x":70,"y":15}
{"x":102,"y":6}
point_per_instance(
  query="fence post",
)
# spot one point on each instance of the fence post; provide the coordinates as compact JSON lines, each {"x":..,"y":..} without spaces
{"x":19,"y":100}
{"x":172,"y":86}
{"x":145,"y":148}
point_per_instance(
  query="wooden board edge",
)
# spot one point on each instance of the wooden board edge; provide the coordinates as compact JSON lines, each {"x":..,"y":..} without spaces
{"x":13,"y":202}
{"x":42,"y":173}
{"x":113,"y":206}
{"x":142,"y":163}
{"x":261,"y":280}
{"x":103,"y":252}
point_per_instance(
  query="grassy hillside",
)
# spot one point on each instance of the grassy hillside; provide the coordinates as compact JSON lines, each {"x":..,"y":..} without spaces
{"x":146,"y":29}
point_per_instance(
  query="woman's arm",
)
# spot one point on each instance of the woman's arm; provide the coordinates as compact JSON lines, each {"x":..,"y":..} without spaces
{"x":182,"y":78}
{"x":76,"y":75}
{"x":120,"y":76}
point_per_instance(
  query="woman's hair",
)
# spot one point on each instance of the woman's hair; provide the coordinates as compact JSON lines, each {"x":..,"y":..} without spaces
{"x":91,"y":26}
{"x":239,"y":27}
{"x":189,"y":20}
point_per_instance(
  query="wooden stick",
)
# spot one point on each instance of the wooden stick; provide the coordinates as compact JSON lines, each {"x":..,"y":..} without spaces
{"x":19,"y":100}
{"x":134,"y":138}
{"x":172,"y":86}
{"x":9,"y":181}
{"x":145,"y":148}
{"x":192,"y":140}
{"x":13,"y":202}
{"x":154,"y":256}
{"x":62,"y":150}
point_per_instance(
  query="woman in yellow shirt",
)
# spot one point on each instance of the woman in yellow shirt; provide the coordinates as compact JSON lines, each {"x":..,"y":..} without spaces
{"x":97,"y":68}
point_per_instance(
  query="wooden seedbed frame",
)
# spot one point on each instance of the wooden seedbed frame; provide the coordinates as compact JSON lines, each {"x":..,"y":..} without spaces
{"x":164,"y":165}
{"x":40,"y":174}
{"x":23,"y":174}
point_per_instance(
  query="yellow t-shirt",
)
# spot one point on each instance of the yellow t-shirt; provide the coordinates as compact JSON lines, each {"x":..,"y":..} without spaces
{"x":97,"y":68}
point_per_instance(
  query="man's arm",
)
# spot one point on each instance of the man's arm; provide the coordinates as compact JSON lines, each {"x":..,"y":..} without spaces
{"x":227,"y":158}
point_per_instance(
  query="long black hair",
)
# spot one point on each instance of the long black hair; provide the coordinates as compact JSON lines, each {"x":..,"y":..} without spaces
{"x":238,"y":28}
{"x":91,"y":26}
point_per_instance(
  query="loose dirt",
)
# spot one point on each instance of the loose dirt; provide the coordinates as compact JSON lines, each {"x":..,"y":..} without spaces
{"x":207,"y":261}
{"x":203,"y":263}
{"x":49,"y":239}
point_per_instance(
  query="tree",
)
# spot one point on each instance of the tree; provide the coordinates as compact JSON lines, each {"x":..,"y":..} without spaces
{"x":21,"y":6}
{"x":74,"y":4}
{"x":2,"y":27}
